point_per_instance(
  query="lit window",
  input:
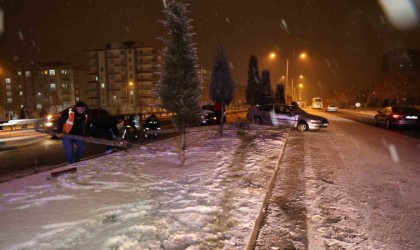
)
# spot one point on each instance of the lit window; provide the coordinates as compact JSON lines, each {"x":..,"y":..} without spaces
{"x":20,"y":86}
{"x":52,"y":72}
{"x":19,"y":73}
{"x":64,"y":85}
{"x":96,"y":78}
{"x":52,"y":86}
{"x":77,"y":98}
{"x":103,"y":85}
{"x":131,"y":92}
{"x":8,"y":80}
{"x":46,"y":72}
{"x":21,"y":93}
{"x":9,"y":100}
{"x":27,"y":73}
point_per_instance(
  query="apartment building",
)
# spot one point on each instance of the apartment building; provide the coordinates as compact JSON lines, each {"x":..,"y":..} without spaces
{"x":52,"y":85}
{"x":122,"y":79}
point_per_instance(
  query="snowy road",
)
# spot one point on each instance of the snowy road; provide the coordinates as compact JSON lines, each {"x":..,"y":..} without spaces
{"x":351,"y":186}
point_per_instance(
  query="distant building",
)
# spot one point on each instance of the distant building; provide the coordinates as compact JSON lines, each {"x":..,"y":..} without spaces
{"x":400,"y":77}
{"x":53,"y":86}
{"x":205,"y":78}
{"x":122,"y":79}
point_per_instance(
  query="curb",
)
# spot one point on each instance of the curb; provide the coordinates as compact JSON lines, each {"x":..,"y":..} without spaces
{"x":259,"y":221}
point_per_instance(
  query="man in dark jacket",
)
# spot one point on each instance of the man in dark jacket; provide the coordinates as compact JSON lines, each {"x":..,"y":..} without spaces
{"x":73,"y":121}
{"x":106,"y":127}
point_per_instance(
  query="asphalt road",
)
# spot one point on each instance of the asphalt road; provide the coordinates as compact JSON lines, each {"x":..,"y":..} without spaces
{"x":406,"y":131}
{"x":25,"y":157}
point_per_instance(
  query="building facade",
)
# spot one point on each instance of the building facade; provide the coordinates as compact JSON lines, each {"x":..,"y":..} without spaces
{"x":122,"y":79}
{"x":53,"y":86}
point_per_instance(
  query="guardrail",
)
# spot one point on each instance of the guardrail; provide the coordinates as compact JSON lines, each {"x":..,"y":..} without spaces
{"x":12,"y":123}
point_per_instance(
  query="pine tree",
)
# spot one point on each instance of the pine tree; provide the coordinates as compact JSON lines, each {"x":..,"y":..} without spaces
{"x":253,"y":84}
{"x":266,"y":94}
{"x":279,"y":95}
{"x":179,"y":88}
{"x":222,"y":86}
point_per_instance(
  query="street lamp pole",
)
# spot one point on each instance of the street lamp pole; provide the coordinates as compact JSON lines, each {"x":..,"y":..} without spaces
{"x":287,"y":80}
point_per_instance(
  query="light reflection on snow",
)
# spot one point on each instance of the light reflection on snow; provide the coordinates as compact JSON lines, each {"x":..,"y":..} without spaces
{"x":394,"y":153}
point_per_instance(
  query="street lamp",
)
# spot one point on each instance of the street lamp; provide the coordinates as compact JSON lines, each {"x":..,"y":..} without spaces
{"x":300,"y":91}
{"x":129,"y":84}
{"x":289,"y":89}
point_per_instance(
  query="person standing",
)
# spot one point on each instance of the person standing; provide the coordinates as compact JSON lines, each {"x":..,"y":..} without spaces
{"x":24,"y":115}
{"x":73,"y":121}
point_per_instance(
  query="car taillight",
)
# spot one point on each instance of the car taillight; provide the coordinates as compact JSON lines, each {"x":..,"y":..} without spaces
{"x":395,"y":116}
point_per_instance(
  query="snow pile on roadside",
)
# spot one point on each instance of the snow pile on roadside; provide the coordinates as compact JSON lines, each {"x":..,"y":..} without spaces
{"x":144,"y":198}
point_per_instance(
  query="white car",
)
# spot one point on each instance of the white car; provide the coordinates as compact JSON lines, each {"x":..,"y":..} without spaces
{"x":282,"y":115}
{"x":332,"y":108}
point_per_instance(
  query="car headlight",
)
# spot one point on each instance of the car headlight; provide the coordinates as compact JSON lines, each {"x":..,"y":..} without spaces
{"x":49,"y":117}
{"x":49,"y":124}
{"x":316,"y":121}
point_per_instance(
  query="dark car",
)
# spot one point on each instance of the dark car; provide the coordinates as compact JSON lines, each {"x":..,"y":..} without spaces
{"x":210,"y":117}
{"x":283,"y":115}
{"x":398,"y":116}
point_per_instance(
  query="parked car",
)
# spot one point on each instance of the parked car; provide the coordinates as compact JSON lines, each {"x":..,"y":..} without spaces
{"x":401,"y":116}
{"x":332,"y":108}
{"x":283,"y":115}
{"x":210,"y":117}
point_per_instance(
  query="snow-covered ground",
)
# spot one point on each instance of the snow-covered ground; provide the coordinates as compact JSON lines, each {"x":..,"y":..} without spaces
{"x":144,"y":198}
{"x":351,"y":186}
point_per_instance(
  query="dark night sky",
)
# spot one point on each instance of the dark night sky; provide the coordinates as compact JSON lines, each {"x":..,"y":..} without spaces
{"x":344,"y":40}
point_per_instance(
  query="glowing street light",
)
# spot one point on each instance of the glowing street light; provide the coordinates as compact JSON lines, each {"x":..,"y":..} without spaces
{"x":302,"y":56}
{"x":272,"y":55}
{"x":300,"y":91}
{"x":129,"y":84}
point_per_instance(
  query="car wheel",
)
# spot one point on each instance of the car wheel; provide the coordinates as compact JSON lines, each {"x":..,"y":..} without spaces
{"x":387,"y":124}
{"x":302,"y":126}
{"x":258,"y":120}
{"x":375,"y":121}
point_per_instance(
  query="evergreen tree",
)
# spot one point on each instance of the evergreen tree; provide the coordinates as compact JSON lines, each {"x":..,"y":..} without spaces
{"x":222,"y":86}
{"x":253,"y":85}
{"x":179,"y":88}
{"x":266,"y":93}
{"x":279,"y":95}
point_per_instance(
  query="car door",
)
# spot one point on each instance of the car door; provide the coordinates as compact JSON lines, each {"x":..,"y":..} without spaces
{"x":281,"y":116}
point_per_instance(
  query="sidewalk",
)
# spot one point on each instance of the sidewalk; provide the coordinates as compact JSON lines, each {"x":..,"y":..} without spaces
{"x":144,"y":199}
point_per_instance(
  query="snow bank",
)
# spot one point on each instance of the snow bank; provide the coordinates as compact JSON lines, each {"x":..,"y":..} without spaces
{"x":144,"y":198}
